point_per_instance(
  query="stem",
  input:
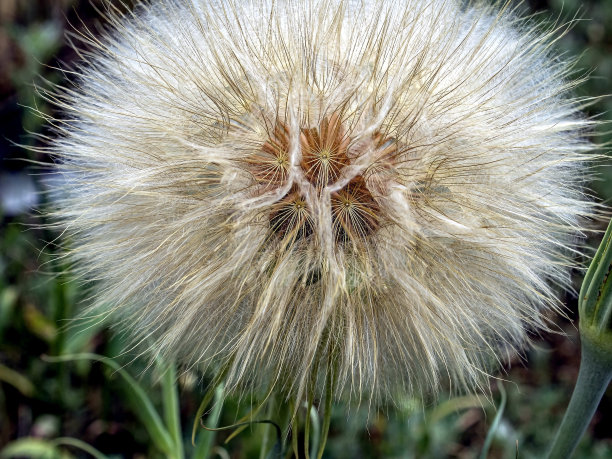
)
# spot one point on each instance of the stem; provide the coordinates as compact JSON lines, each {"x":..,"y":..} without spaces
{"x":263,"y":451}
{"x":206,"y":438}
{"x":593,"y":379}
{"x":170,"y":399}
{"x":316,"y":430}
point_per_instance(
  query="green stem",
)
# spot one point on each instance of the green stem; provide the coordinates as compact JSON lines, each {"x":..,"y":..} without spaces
{"x":263,"y":449}
{"x":206,"y":438}
{"x":172,"y":412}
{"x":593,"y":379}
{"x":316,"y":430}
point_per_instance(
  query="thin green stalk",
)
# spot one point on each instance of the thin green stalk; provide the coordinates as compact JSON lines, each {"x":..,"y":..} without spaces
{"x":316,"y":430}
{"x":593,"y":379}
{"x":496,"y":421}
{"x":329,"y":388}
{"x":277,"y":451}
{"x":307,"y":431}
{"x":285,"y":414}
{"x":206,"y":438}
{"x":263,"y":450}
{"x":295,"y":426}
{"x":172,"y":415}
{"x":207,"y":398}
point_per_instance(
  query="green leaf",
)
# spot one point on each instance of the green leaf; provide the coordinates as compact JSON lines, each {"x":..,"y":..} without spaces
{"x":76,"y":443}
{"x":34,"y":448}
{"x":456,"y":404}
{"x":17,"y":380}
{"x":39,"y":324}
{"x":8,"y":300}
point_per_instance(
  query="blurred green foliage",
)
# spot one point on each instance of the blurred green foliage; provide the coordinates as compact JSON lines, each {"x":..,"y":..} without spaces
{"x":56,"y":409}
{"x":590,"y":38}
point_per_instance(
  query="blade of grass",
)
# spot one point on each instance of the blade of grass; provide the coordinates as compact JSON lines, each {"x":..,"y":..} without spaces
{"x":496,"y":422}
{"x":76,"y":443}
{"x":33,"y":448}
{"x":456,"y":404}
{"x":17,"y":380}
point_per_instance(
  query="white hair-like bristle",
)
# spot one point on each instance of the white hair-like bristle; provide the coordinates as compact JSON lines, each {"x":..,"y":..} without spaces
{"x":379,"y":195}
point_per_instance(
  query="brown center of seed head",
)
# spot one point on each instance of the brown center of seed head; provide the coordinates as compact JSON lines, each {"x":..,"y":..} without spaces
{"x":290,"y":217}
{"x":270,"y":165}
{"x":324,"y":151}
{"x":355,"y":212}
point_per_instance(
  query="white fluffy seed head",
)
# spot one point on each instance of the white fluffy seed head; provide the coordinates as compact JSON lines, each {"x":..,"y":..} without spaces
{"x":380,"y":195}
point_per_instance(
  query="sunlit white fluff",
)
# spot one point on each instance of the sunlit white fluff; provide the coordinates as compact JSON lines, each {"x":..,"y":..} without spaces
{"x":414,"y":256}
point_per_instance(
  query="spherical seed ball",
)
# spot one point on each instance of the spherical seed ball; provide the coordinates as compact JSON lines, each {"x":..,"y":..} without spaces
{"x":375,"y":198}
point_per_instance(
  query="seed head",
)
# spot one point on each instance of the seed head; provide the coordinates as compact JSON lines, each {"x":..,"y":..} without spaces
{"x":382,"y":191}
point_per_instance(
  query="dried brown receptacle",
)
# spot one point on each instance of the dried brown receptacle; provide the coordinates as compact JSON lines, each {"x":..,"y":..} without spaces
{"x":325,"y":152}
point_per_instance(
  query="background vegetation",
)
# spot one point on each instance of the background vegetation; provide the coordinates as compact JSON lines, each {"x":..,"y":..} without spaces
{"x":88,"y":401}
